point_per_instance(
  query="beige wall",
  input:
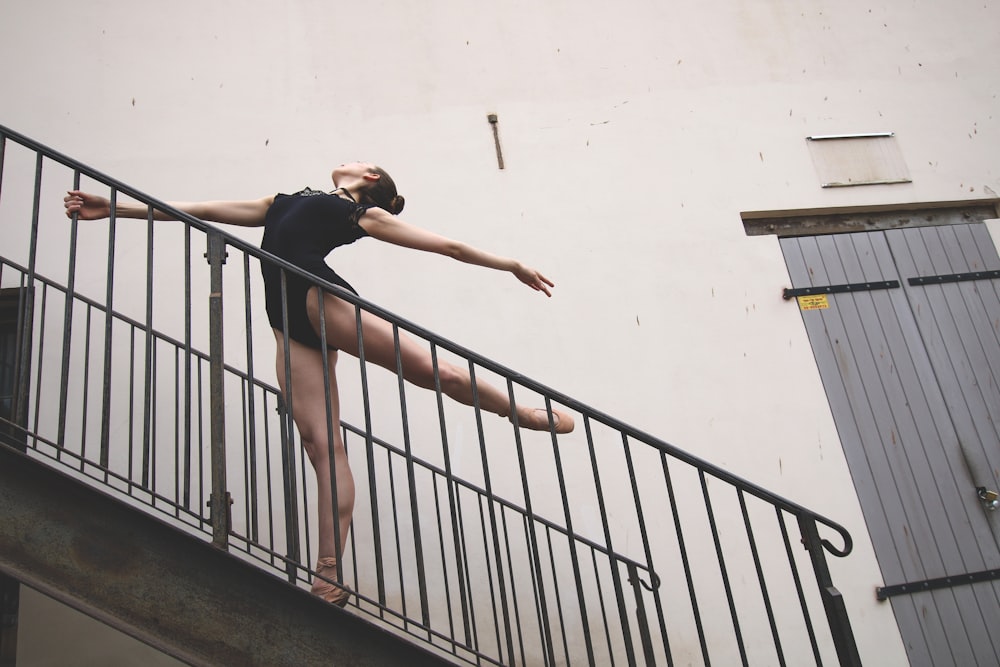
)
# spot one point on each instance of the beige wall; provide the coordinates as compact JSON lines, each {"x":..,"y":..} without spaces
{"x":633,"y":135}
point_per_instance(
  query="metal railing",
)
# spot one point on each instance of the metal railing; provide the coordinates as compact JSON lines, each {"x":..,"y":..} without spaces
{"x":496,"y":545}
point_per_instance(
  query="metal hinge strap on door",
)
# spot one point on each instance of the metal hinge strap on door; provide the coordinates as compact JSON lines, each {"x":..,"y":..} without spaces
{"x":887,"y":592}
{"x":839,"y":289}
{"x":955,"y":278}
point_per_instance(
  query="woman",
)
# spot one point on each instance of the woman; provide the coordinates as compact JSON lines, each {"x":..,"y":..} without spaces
{"x":303,"y":228}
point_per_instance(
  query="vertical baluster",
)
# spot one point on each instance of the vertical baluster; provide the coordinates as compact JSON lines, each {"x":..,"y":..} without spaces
{"x":131,"y":407}
{"x":40,"y":356}
{"x":18,"y":418}
{"x":68,"y":323}
{"x":513,"y":587}
{"x":154,"y":433}
{"x":285,"y":406}
{"x":483,"y":525}
{"x":220,"y":499}
{"x":353,"y":543}
{"x":3,"y":151}
{"x":493,"y":519}
{"x":474,"y":642}
{"x":267,"y":478}
{"x":444,"y":560}
{"x":177,"y":432}
{"x":108,"y":322}
{"x":545,"y":627}
{"x":249,"y":518}
{"x":147,"y":378}
{"x":452,"y":501}
{"x":86,"y":387}
{"x":574,"y":559}
{"x":418,"y":547}
{"x":393,"y":505}
{"x":554,"y":569}
{"x":188,"y":394}
{"x":201,"y":439}
{"x":302,"y":471}
{"x":251,"y":428}
{"x":292,"y":550}
{"x":26,"y":312}
{"x":615,"y":574}
{"x":685,"y":561}
{"x":370,"y":455}
{"x":535,"y":584}
{"x":760,"y":577}
{"x":722,"y":566}
{"x":604,"y":613}
{"x":640,"y":516}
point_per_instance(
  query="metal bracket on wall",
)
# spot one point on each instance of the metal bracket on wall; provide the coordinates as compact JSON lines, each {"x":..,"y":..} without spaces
{"x":493,"y":120}
{"x":955,"y":278}
{"x":838,"y":289}
{"x":886,"y":592}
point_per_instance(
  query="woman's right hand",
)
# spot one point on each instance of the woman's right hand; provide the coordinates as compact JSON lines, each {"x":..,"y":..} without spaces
{"x":86,"y":206}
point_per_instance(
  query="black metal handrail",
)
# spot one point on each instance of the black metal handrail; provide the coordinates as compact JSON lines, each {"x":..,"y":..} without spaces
{"x":515,"y":568}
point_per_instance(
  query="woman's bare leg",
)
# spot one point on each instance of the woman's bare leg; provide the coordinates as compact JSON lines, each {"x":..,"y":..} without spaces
{"x":417,"y":364}
{"x":310,"y":412}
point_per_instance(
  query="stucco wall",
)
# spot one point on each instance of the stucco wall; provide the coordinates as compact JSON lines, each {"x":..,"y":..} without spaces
{"x":633,"y":134}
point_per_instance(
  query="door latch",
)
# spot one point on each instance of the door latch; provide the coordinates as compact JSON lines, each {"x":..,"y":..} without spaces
{"x":990,"y":498}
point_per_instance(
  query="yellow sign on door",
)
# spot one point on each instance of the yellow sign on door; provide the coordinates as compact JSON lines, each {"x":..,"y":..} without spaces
{"x":814,"y":302}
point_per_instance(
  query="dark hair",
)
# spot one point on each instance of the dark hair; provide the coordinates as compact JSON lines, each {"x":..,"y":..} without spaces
{"x":382,"y":193}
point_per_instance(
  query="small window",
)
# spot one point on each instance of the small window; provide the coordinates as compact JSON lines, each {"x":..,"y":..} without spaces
{"x":858,"y":159}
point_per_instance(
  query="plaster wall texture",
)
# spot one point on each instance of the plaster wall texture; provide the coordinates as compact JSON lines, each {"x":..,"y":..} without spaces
{"x":632,"y":137}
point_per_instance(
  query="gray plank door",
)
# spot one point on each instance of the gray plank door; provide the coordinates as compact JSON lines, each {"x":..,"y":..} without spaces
{"x":911,"y":373}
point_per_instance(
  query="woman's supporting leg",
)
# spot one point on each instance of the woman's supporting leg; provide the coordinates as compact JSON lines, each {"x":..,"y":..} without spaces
{"x":417,"y":363}
{"x":314,"y":417}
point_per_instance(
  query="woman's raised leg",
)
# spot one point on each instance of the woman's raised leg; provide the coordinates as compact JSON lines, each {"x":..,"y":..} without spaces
{"x":417,"y":363}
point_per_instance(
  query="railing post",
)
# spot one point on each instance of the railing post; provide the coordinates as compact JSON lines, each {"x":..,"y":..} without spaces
{"x":640,"y":614}
{"x":219,"y":501}
{"x":833,"y":601}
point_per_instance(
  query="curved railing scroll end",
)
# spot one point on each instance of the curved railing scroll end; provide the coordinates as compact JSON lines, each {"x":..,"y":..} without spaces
{"x":846,"y":536}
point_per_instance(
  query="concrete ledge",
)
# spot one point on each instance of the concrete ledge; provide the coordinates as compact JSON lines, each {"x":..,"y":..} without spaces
{"x":167,"y":588}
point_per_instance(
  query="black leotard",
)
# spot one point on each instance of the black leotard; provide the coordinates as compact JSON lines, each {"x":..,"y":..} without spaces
{"x":302,"y":229}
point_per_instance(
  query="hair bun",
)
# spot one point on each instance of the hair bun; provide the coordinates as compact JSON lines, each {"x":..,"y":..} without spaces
{"x":396,"y":205}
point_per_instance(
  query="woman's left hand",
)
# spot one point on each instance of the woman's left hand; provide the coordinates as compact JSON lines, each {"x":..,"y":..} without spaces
{"x":533,"y":279}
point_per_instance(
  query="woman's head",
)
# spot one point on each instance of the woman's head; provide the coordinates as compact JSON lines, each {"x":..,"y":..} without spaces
{"x":372,"y":185}
{"x":382,"y":192}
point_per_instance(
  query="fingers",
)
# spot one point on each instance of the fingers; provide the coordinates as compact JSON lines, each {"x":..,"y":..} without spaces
{"x":542,"y":284}
{"x":535,"y":280}
{"x":73,"y":201}
{"x":85,"y":205}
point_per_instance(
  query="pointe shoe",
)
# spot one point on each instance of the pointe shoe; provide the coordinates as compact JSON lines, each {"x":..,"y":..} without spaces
{"x":539,"y":420}
{"x":330,"y":592}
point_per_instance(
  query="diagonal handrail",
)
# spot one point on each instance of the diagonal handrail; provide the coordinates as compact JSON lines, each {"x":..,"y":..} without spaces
{"x":542,"y":576}
{"x":445,"y":344}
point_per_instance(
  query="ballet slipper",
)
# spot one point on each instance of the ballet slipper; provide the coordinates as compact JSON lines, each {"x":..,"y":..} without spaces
{"x":330,"y":592}
{"x":539,"y":420}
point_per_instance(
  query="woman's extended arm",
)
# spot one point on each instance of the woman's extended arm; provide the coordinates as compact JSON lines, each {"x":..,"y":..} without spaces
{"x":384,"y":226}
{"x":247,"y":213}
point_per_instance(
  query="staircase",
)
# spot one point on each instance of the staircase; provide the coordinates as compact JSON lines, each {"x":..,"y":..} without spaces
{"x":151,"y":478}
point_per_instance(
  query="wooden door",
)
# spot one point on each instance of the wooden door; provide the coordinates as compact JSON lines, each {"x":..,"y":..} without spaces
{"x":905,"y":327}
